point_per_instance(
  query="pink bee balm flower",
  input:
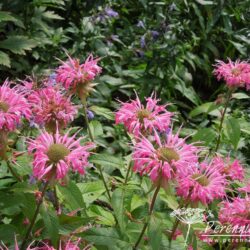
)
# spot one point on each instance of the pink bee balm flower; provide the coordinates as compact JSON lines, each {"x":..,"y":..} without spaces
{"x":235,"y":74}
{"x":163,"y":160}
{"x":50,"y":108}
{"x":202,"y":182}
{"x":138,"y":118}
{"x":236,"y":213}
{"x":232,"y":170}
{"x":13,"y":106}
{"x":76,"y":76}
{"x":55,"y":154}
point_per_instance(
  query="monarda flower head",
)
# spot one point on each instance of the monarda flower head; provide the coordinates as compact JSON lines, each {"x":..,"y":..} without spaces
{"x":13,"y":106}
{"x":54,"y":155}
{"x":236,"y":213}
{"x":51,"y":108}
{"x":78,"y":77}
{"x":139,"y":119}
{"x":233,"y":170}
{"x":162,"y":160}
{"x":236,"y":74}
{"x":201,"y":182}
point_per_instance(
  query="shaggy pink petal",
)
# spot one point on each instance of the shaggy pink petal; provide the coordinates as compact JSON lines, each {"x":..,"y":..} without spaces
{"x":56,"y":154}
{"x":163,"y":159}
{"x":201,"y":182}
{"x":50,"y":107}
{"x":13,"y":106}
{"x":138,"y":118}
{"x":236,"y":74}
{"x":236,"y":212}
{"x":232,"y":169}
{"x":71,"y":73}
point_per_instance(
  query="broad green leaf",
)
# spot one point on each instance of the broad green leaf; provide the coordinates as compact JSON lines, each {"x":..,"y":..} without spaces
{"x":51,"y":224}
{"x":7,"y":233}
{"x":233,"y":131}
{"x":105,"y":112}
{"x":4,"y":59}
{"x":18,"y":44}
{"x":118,"y":206}
{"x":240,"y":96}
{"x":203,"y":2}
{"x":96,"y":128}
{"x":91,"y":190}
{"x":68,"y":224}
{"x":71,"y":196}
{"x":106,"y":161}
{"x":111,"y":80}
{"x":102,"y":216}
{"x":155,"y":232}
{"x":205,"y":108}
{"x":205,"y":135}
{"x":106,"y":237}
{"x":52,"y":15}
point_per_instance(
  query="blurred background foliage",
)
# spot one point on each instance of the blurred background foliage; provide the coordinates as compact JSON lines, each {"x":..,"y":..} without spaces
{"x":166,"y":47}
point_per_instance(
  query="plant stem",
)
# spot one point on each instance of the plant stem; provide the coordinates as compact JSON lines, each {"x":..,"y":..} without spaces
{"x":92,"y":139}
{"x":13,"y":171}
{"x":127,"y":174}
{"x":222,"y":118}
{"x":149,"y":215}
{"x":57,"y":205}
{"x":34,"y":217}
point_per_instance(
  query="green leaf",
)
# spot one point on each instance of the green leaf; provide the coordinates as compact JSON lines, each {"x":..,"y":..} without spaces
{"x":8,"y":17}
{"x":52,"y":15}
{"x":4,"y":59}
{"x":204,"y":108}
{"x":71,"y":196}
{"x":18,"y":44}
{"x":91,"y":190}
{"x":205,"y":135}
{"x":118,"y":206}
{"x":96,"y":128}
{"x":7,"y":233}
{"x":155,"y":232}
{"x":68,"y":224}
{"x":105,"y":112}
{"x":106,"y":237}
{"x":203,"y":2}
{"x":107,"y":161}
{"x":51,"y":224}
{"x":233,"y":131}
{"x":240,"y":96}
{"x":111,"y":80}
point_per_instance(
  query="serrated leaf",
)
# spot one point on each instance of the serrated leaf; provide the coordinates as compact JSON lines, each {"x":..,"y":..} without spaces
{"x":107,"y":161}
{"x":18,"y":44}
{"x":205,"y":135}
{"x":118,"y":206}
{"x":8,"y":17}
{"x":4,"y":59}
{"x":155,"y":232}
{"x":96,"y":128}
{"x":71,"y":196}
{"x":106,"y":237}
{"x":51,"y":224}
{"x":105,"y":112}
{"x":233,"y":131}
{"x":205,"y":108}
{"x":52,"y":15}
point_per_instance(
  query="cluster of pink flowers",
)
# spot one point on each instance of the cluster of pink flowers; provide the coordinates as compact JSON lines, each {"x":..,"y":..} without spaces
{"x":76,"y":76}
{"x":236,"y":74}
{"x":138,"y":118}
{"x":162,"y":155}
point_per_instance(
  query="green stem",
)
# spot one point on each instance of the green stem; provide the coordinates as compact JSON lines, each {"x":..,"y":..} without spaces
{"x":84,"y":103}
{"x":149,"y":215}
{"x":127,"y":174}
{"x":222,"y":119}
{"x":34,"y":217}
